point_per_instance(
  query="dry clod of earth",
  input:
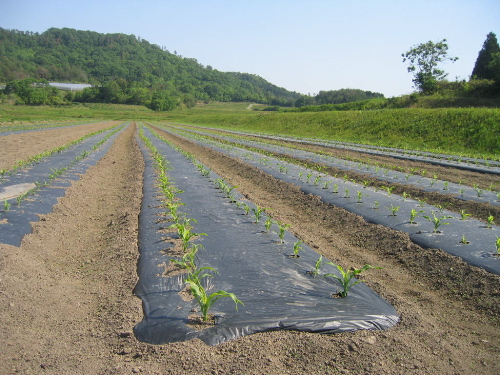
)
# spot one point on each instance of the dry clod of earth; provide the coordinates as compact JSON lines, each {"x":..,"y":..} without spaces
{"x":66,"y":302}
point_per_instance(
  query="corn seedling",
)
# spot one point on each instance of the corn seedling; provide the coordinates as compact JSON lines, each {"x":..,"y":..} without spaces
{"x":185,"y":233}
{"x":389,"y":189}
{"x":308,"y":177}
{"x":478,"y":190}
{"x":297,"y":248}
{"x":6,"y":206}
{"x":406,"y":195}
{"x":282,"y":228}
{"x":375,"y":205}
{"x":461,"y":191}
{"x":497,"y":243}
{"x":346,"y":277}
{"x":393,"y":209}
{"x":464,"y":215}
{"x":445,"y":185}
{"x":205,"y":301}
{"x":413,"y":215}
{"x":490,"y":221}
{"x":464,"y":240}
{"x":300,"y":174}
{"x":317,"y":266}
{"x":268,"y":223}
{"x":360,"y":195}
{"x":366,"y":183}
{"x":188,"y":260}
{"x":257,"y":211}
{"x":437,"y":221}
{"x":316,"y":180}
{"x":346,"y":193}
{"x":325,"y":185}
{"x":335,"y":188}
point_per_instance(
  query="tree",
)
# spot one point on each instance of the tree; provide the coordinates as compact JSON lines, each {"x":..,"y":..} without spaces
{"x":424,"y":59}
{"x":485,"y":66}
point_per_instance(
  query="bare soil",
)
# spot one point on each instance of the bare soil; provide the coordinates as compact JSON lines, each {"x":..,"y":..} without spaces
{"x":66,"y":302}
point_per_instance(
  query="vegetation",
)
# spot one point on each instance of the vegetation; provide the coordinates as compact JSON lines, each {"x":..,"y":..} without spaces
{"x":125,"y":69}
{"x":347,"y":276}
{"x":423,"y":62}
{"x":488,"y":60}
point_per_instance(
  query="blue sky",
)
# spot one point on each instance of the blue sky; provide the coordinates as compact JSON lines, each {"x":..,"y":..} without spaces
{"x":304,"y":46}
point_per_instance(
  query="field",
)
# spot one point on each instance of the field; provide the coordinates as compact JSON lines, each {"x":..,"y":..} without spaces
{"x":66,"y":291}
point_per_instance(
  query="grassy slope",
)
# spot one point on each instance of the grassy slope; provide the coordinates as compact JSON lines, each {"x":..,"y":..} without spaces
{"x":466,"y":131}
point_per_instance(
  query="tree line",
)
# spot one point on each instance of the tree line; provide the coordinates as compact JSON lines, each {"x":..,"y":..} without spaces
{"x":125,"y":69}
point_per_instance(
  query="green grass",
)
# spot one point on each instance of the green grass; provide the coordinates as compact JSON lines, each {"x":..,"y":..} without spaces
{"x":462,"y":131}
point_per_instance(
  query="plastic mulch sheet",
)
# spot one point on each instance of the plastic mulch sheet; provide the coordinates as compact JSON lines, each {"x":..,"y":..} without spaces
{"x":277,"y":291}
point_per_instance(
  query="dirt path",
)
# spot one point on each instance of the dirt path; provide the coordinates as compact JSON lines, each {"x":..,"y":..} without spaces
{"x":66,"y":302}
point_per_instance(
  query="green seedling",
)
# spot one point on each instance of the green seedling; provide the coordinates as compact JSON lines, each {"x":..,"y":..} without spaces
{"x":461,"y":191}
{"x":346,"y":193}
{"x":464,"y":240}
{"x":188,"y":260}
{"x":389,"y":189}
{"x":325,"y":185}
{"x":437,"y":221}
{"x":282,"y":228}
{"x":300,"y":174}
{"x":268,"y":223}
{"x":308,"y":177}
{"x":497,"y":243}
{"x":375,"y":205}
{"x":205,"y":302}
{"x":6,"y":206}
{"x":296,"y":249}
{"x":413,"y":215}
{"x":185,"y":233}
{"x":478,"y":191}
{"x":464,"y":215}
{"x":317,"y":266}
{"x":490,"y":221}
{"x":197,"y":274}
{"x":406,"y":195}
{"x":360,"y":195}
{"x":445,"y":185}
{"x":366,"y":183}
{"x":316,"y":180}
{"x":257,"y":211}
{"x":393,"y":209}
{"x":335,"y":188}
{"x":346,"y":277}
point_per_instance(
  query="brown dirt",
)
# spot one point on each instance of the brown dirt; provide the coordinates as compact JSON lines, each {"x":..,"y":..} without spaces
{"x":66,"y":302}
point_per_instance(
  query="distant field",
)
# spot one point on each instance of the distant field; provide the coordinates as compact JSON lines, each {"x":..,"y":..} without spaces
{"x":464,"y":131}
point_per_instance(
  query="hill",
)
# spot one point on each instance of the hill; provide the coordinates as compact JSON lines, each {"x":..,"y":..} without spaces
{"x":127,"y":69}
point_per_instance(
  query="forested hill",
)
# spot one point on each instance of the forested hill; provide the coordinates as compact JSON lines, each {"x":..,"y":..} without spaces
{"x":127,"y":68}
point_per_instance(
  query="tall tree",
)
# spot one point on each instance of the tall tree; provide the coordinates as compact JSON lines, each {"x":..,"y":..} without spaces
{"x":484,"y":69}
{"x":423,"y":63}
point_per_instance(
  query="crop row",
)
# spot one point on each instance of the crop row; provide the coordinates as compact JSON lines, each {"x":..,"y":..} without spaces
{"x":473,"y":240}
{"x":414,"y":177}
{"x":269,"y":270}
{"x":42,"y":182}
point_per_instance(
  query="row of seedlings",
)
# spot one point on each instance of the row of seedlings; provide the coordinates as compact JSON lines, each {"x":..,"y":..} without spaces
{"x":347,"y":278}
{"x":55,"y":172}
{"x":437,"y":215}
{"x":187,"y":262}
